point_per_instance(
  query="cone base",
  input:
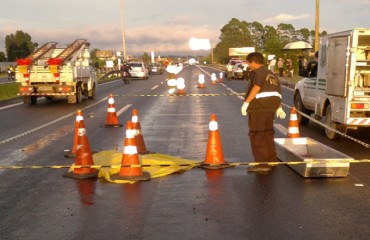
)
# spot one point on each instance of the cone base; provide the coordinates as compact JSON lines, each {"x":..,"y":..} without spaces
{"x":146,"y":152}
{"x":73,"y":155}
{"x":144,"y":177}
{"x":215,"y":166}
{"x":112,"y":125}
{"x":70,"y":155}
{"x":81,"y":176}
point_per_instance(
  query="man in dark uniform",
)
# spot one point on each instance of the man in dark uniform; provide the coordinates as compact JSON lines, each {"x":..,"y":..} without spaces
{"x":312,"y":66}
{"x":263,"y":99}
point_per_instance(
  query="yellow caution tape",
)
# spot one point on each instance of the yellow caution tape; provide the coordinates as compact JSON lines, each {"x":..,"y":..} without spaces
{"x":235,"y":164}
{"x":184,"y":95}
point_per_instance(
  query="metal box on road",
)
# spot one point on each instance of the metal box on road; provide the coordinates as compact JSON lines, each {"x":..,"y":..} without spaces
{"x":320,"y":160}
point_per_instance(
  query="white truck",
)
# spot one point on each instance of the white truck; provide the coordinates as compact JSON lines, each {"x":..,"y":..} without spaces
{"x":55,"y":72}
{"x":340,"y":94}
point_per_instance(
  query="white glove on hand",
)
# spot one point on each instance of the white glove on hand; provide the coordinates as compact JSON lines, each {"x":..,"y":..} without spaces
{"x":280,"y":113}
{"x":244,"y":108}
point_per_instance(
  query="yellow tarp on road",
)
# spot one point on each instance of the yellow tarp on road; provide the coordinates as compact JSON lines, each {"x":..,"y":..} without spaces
{"x":108,"y":158}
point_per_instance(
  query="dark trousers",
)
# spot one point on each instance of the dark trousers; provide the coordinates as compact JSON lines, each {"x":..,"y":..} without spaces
{"x":281,"y":71}
{"x":261,"y":135}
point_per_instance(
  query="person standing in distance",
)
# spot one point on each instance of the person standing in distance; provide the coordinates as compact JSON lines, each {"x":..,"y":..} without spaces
{"x":262,"y":101}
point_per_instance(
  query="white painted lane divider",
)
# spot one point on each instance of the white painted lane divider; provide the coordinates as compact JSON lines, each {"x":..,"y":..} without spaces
{"x":49,"y":123}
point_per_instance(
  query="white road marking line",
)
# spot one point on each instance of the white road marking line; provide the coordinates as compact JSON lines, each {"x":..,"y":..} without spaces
{"x":12,"y":105}
{"x":154,"y":87}
{"x":123,"y":109}
{"x":49,"y":123}
{"x":281,"y":129}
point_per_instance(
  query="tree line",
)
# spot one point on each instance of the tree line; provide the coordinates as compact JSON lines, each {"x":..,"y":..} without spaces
{"x":265,"y":39}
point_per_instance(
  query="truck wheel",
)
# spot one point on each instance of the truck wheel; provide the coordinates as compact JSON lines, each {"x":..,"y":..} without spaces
{"x":30,"y":100}
{"x":78,"y":94}
{"x":299,"y":106}
{"x":92,"y":93}
{"x":33,"y":100}
{"x":27,"y":100}
{"x":329,"y":122}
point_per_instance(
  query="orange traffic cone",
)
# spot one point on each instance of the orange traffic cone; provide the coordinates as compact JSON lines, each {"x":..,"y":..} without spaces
{"x":221,"y":79}
{"x":83,"y":156}
{"x":112,"y":119}
{"x":180,"y":86}
{"x":140,"y":144}
{"x":72,"y":153}
{"x":214,"y":155}
{"x":214,"y":78}
{"x":130,"y":157}
{"x":293,"y":130}
{"x":201,"y":81}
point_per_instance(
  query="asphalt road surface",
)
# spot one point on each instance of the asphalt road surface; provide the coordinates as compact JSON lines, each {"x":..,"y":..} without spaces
{"x":196,"y":204}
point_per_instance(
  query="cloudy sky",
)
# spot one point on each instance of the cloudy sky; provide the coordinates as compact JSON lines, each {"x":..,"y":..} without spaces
{"x":165,"y":26}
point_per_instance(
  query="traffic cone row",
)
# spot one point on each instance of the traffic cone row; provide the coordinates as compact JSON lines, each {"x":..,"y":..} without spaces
{"x":293,"y":129}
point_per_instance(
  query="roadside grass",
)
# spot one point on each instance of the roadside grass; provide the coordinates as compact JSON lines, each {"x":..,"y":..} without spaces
{"x":9,"y":91}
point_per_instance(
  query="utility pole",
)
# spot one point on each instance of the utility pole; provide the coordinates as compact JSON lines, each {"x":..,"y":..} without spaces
{"x":123,"y":32}
{"x":317,"y":29}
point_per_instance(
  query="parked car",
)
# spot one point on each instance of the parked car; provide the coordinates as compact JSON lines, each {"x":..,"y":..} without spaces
{"x":238,"y":71}
{"x":138,"y":70}
{"x":155,"y":68}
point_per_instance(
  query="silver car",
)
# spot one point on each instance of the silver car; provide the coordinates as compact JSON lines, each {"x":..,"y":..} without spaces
{"x":138,"y":70}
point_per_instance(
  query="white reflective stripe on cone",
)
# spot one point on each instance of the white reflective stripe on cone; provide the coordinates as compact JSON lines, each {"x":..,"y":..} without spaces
{"x":135,"y":119}
{"x":293,"y":130}
{"x":130,"y":133}
{"x":293,"y":117}
{"x":213,"y":126}
{"x":111,"y":110}
{"x":130,"y":150}
{"x":81,"y":132}
{"x":138,"y":132}
{"x":79,"y":118}
{"x":111,"y":101}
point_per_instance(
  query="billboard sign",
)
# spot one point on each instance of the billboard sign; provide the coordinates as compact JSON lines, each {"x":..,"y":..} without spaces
{"x":244,"y":51}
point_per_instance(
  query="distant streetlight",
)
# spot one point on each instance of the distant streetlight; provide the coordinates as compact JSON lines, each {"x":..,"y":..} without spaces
{"x":317,"y":30}
{"x":123,"y":32}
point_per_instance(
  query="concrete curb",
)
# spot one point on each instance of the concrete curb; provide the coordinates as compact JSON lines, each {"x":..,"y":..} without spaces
{"x":286,"y":82}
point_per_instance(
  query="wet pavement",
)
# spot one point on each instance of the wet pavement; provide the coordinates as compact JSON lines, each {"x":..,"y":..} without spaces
{"x":195,"y":204}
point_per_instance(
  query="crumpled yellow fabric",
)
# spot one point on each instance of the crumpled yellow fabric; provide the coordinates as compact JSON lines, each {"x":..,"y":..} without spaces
{"x":109,"y":158}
